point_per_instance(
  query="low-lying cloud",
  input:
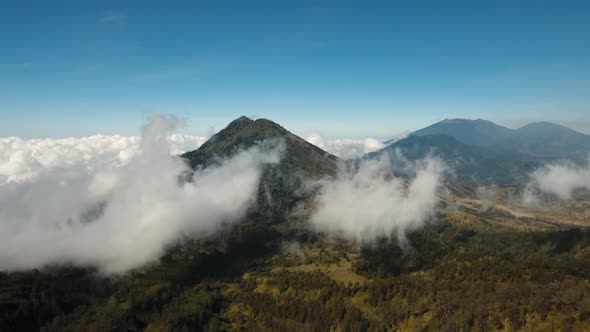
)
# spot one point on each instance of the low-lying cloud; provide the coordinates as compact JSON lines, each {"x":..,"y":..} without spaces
{"x":560,"y":179}
{"x":119,"y":217}
{"x":346,"y":148}
{"x":24,"y":159}
{"x":487,"y":197}
{"x":370,"y":202}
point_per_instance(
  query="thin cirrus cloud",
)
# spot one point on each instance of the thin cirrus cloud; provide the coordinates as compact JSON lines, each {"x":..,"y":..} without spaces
{"x":112,"y":18}
{"x":119,"y":218}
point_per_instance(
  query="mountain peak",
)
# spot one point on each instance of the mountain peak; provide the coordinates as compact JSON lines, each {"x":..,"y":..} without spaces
{"x":544,"y":126}
{"x":550,"y":140}
{"x":476,"y":132}
{"x":241,"y":121}
{"x":283,"y":182}
{"x":244,"y":133}
{"x":266,"y":127}
{"x":538,"y":139}
{"x":466,"y":121}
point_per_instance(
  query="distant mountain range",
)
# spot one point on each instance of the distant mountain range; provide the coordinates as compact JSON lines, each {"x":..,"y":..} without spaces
{"x":483,"y":152}
{"x":544,"y":140}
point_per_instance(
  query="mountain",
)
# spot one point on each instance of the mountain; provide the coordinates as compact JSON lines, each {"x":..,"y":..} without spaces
{"x":468,"y":163}
{"x":244,"y":132}
{"x":548,"y":140}
{"x":541,"y":140}
{"x":473,"y":132}
{"x":300,"y":162}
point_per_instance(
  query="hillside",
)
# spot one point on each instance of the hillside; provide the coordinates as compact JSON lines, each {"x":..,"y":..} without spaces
{"x":469,"y":163}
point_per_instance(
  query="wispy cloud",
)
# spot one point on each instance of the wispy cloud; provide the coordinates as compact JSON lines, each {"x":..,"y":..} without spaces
{"x":346,"y":148}
{"x":370,"y":202}
{"x":112,"y":18}
{"x":560,"y":179}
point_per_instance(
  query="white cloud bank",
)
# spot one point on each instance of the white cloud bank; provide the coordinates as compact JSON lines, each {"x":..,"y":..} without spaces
{"x":120,"y":217}
{"x":370,"y":202}
{"x":24,"y":159}
{"x":560,"y":179}
{"x":346,"y":148}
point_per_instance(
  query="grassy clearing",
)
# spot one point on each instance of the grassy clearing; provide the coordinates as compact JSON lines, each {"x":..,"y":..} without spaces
{"x":339,"y":272}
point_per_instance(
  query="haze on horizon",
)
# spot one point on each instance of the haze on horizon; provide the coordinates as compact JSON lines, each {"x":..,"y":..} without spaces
{"x":346,"y":71}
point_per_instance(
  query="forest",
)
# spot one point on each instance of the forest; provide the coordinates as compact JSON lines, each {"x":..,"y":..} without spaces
{"x":445,"y":277}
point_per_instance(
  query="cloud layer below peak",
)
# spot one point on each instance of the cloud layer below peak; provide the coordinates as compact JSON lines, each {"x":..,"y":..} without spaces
{"x":24,"y":159}
{"x":119,"y":217}
{"x":345,"y":148}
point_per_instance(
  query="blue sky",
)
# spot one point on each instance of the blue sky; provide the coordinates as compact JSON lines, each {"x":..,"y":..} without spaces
{"x":345,"y":69}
